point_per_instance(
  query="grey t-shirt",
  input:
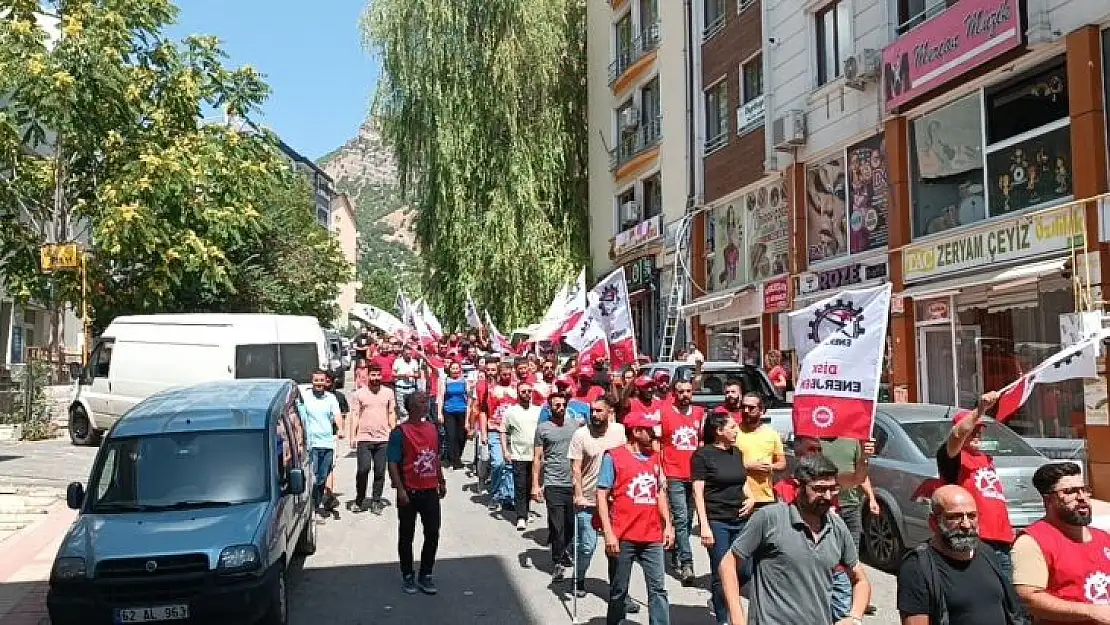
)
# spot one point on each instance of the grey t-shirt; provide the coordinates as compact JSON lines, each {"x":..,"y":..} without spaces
{"x":555,"y":442}
{"x":793,"y":571}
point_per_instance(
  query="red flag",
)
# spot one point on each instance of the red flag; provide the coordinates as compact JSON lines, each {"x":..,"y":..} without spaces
{"x":1011,"y":398}
{"x":622,"y":353}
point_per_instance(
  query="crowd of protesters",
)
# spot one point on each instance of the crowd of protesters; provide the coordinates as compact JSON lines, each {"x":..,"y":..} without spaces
{"x":627,"y":460}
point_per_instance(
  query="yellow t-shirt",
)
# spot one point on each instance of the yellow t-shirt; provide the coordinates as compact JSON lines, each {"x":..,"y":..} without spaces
{"x":762,"y":445}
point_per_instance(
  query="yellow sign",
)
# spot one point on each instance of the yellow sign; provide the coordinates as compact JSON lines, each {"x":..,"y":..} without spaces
{"x":997,"y":242}
{"x":60,"y":256}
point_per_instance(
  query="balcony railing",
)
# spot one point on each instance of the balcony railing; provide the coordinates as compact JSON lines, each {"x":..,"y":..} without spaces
{"x":929,"y":13}
{"x":716,"y":142}
{"x":714,"y":27}
{"x":646,"y":42}
{"x":636,"y":142}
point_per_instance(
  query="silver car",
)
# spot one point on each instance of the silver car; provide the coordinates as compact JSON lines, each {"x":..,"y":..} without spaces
{"x":904,"y":469}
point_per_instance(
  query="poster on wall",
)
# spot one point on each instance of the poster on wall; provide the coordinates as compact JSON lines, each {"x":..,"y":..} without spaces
{"x":769,"y":231}
{"x":1033,"y":172}
{"x":826,"y":232}
{"x":868,"y":195}
{"x":729,"y":268}
{"x":948,"y":167}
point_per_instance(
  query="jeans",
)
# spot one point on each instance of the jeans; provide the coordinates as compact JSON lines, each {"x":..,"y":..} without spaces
{"x":560,"y":521}
{"x":724,"y":534}
{"x":840,"y":595}
{"x":322,"y":459}
{"x":522,"y":484}
{"x":501,"y":474}
{"x":402,"y":392}
{"x":680,"y":495}
{"x":852,"y":514}
{"x":424,"y":503}
{"x":455,"y":424}
{"x":587,"y":540}
{"x":369,"y":455}
{"x":650,"y":557}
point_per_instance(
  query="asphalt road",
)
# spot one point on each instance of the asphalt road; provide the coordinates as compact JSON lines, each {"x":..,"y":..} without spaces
{"x":487,"y":572}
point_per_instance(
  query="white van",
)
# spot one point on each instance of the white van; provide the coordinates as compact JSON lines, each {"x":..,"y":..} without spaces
{"x":139,"y":356}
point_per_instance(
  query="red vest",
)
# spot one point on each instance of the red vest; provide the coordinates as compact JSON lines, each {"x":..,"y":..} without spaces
{"x":499,"y":401}
{"x":651,"y":410}
{"x":978,"y":476}
{"x":635,"y":495}
{"x":420,"y":455}
{"x":1077,"y":572}
{"x":681,"y":437}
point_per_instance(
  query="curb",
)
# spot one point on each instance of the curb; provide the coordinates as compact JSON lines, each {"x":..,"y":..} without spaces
{"x":25,"y":544}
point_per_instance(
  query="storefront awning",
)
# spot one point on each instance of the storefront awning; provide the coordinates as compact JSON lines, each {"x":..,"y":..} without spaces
{"x":711,"y":303}
{"x":999,"y":279}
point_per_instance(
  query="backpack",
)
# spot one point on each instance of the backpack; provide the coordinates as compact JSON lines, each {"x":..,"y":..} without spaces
{"x":927,"y":557}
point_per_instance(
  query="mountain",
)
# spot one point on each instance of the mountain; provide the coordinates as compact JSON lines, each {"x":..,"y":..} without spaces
{"x":364,"y":168}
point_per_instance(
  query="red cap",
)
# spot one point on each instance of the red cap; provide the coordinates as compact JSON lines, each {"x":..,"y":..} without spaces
{"x":643,"y":381}
{"x":586,"y":370}
{"x":661,"y":377}
{"x":639,"y":420}
{"x":564,"y":381}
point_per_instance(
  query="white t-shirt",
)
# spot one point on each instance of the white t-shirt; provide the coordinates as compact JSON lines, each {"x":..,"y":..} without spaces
{"x":400,"y":367}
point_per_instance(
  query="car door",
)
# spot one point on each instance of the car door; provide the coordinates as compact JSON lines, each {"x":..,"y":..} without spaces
{"x":96,"y":388}
{"x":286,"y":460}
{"x":302,"y":507}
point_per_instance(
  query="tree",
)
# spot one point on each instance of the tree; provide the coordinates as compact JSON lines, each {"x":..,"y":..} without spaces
{"x":484,"y":103}
{"x":103,"y":142}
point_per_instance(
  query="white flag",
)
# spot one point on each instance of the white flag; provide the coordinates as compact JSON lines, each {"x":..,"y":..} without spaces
{"x":378,"y":318}
{"x":1071,"y":363}
{"x":497,"y":340}
{"x":588,"y":336}
{"x":840,"y":341}
{"x":430,"y":321}
{"x":473,"y":319}
{"x":610,"y":298}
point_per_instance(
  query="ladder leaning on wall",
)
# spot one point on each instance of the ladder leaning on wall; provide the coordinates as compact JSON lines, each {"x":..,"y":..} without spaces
{"x":677,"y":295}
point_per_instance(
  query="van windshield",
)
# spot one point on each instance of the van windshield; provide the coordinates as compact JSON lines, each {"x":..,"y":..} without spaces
{"x":179,"y":471}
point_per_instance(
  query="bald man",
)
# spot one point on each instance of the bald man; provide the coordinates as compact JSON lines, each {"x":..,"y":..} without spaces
{"x":950,"y":579}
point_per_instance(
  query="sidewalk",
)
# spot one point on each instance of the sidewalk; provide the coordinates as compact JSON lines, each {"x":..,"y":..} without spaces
{"x":25,"y":567}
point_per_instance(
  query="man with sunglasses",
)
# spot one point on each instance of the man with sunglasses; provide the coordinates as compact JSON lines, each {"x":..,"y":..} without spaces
{"x":1061,"y":563}
{"x":760,"y":446}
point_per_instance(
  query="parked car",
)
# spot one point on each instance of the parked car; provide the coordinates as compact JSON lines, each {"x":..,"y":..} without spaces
{"x":139,"y":356}
{"x":711,"y":392}
{"x":904,"y":470}
{"x":195,"y":507}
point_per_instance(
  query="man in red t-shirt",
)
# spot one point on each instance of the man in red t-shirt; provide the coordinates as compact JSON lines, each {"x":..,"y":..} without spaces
{"x":961,"y":461}
{"x":663,"y":391}
{"x":384,"y":359}
{"x":681,"y":425}
{"x":643,"y":400}
{"x":500,"y":396}
{"x":635,"y":519}
{"x":585,"y":389}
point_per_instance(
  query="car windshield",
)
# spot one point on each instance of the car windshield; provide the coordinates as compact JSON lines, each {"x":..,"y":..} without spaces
{"x":998,"y":440}
{"x":713,"y":381}
{"x":180,"y":470}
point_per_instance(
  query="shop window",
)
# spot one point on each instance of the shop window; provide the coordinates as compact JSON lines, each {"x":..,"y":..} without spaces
{"x":1028,"y":104}
{"x":834,"y":39}
{"x":946,"y":159}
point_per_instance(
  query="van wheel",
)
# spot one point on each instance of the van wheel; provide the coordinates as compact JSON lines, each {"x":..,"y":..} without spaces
{"x":306,"y":544}
{"x":278,"y":613}
{"x":81,"y":430}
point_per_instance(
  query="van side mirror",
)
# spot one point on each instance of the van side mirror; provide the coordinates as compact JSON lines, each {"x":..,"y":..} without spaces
{"x":76,"y":371}
{"x":296,"y":482}
{"x":75,"y":495}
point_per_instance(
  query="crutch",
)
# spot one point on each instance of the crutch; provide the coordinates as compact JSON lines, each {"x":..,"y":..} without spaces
{"x":574,"y":576}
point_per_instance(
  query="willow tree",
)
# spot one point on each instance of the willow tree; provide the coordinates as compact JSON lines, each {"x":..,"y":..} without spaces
{"x":484,"y":104}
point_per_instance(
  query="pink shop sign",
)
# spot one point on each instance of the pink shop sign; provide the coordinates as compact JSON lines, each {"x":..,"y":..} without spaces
{"x":966,"y":35}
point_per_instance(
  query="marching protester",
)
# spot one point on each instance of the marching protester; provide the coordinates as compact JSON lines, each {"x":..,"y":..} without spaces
{"x":776,"y":372}
{"x":417,"y":476}
{"x":760,"y":445}
{"x":662,"y":381}
{"x":362,"y":345}
{"x":331,"y":502}
{"x":961,"y":461}
{"x":1061,"y":563}
{"x":321,"y":415}
{"x":794,"y":546}
{"x":406,"y":375}
{"x":386,"y":356}
{"x":719,"y":483}
{"x":586,"y":388}
{"x":637,"y":523}
{"x":519,"y":446}
{"x":950,"y":579}
{"x":454,"y":396}
{"x":643,"y":400}
{"x":681,"y":426}
{"x":552,"y":480}
{"x":587,"y":448}
{"x":373,"y":417}
{"x":499,"y":397}
{"x":478,"y":408}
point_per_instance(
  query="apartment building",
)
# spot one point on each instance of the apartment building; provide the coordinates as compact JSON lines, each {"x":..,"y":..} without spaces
{"x":638,"y":137}
{"x":345,"y":229}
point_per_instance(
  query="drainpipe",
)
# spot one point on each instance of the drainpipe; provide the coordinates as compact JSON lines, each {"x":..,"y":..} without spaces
{"x":691,"y":164}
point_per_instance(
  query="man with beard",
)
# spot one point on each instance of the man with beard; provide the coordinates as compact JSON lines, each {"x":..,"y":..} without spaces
{"x":1061,"y":563}
{"x":950,"y":579}
{"x":545,"y":384}
{"x":643,"y":402}
{"x":362,"y":345}
{"x":552,"y":481}
{"x":681,"y":426}
{"x":760,"y":445}
{"x":478,"y":406}
{"x":586,"y":388}
{"x":500,"y":396}
{"x":321,"y":415}
{"x":519,"y":445}
{"x":373,"y":412}
{"x":797,"y":545}
{"x":406,"y":376}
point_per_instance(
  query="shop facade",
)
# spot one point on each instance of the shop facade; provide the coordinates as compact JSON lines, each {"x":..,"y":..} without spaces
{"x":638,"y":250}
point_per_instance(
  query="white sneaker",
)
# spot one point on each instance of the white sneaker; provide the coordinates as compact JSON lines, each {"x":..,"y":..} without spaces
{"x":521,"y":525}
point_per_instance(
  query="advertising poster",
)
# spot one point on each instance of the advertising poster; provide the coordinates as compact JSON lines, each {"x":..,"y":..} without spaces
{"x":769,"y":231}
{"x":868,"y":195}
{"x":948,"y":167}
{"x":729,"y":268}
{"x":826,"y":211}
{"x":1033,"y":172}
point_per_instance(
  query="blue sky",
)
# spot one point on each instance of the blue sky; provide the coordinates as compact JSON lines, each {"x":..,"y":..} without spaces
{"x":312,"y":55}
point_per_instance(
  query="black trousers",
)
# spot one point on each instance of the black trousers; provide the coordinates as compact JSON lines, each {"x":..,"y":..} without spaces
{"x":369,"y":455}
{"x":455,"y":422}
{"x":560,"y":520}
{"x":522,"y":487}
{"x":425,"y":504}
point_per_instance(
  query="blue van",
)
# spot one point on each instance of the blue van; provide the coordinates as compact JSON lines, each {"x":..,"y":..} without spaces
{"x":195,"y":506}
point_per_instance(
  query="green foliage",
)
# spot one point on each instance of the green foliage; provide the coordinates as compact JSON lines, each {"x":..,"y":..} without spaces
{"x":103,"y":134}
{"x":484,"y":103}
{"x":30,"y":407}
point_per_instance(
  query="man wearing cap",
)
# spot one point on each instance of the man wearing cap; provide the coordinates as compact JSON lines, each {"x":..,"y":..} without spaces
{"x":636,"y":523}
{"x":662,"y":381}
{"x":681,"y":427}
{"x":585,"y":387}
{"x":643,"y":400}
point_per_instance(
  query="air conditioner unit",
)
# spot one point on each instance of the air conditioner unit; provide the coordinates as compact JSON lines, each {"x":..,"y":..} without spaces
{"x":629,"y":119}
{"x":630,"y":211}
{"x":789,"y":131}
{"x":863,"y":68}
